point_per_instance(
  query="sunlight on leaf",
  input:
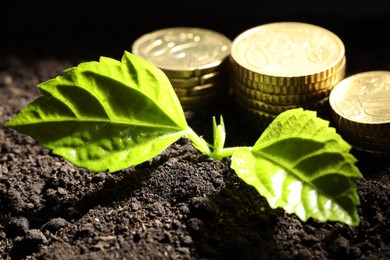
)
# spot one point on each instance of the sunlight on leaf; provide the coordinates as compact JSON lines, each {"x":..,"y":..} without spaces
{"x":301,"y":164}
{"x":105,"y":115}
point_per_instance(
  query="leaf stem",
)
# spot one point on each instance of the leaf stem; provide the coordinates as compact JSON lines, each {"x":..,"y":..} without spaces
{"x":222,"y":153}
{"x":207,"y":149}
{"x":199,"y":142}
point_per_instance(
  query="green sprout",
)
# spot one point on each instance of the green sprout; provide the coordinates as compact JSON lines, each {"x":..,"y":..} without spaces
{"x":110,"y":115}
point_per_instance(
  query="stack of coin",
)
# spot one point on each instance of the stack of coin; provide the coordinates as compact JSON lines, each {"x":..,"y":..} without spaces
{"x":361,"y":111}
{"x":284,"y":65}
{"x":194,"y":59}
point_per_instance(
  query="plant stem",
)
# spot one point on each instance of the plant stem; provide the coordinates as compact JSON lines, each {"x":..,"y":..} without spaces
{"x":225,"y":152}
{"x":204,"y":147}
{"x":199,"y":142}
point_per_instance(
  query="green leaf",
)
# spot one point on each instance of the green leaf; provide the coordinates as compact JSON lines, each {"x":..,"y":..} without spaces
{"x":219,"y":134}
{"x":301,"y":164}
{"x":105,"y":115}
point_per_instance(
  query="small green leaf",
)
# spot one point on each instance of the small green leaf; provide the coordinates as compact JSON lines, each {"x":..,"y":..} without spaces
{"x":105,"y":115}
{"x":219,"y":134}
{"x":301,"y":164}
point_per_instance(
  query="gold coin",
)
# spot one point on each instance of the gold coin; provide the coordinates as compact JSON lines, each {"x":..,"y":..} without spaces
{"x":343,"y":124}
{"x":198,"y":90}
{"x":371,"y":147}
{"x":197,"y":98}
{"x":361,"y":103}
{"x":198,"y":102}
{"x":288,"y":53}
{"x":324,"y":84}
{"x":214,"y":77}
{"x":369,"y":142}
{"x":280,"y":99}
{"x":277,"y":109}
{"x":183,"y":52}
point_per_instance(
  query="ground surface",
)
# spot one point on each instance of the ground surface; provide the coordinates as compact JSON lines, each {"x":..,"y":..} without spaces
{"x":179,"y":205}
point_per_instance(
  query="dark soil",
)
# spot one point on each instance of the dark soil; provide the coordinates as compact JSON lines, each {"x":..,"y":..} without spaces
{"x":178,"y":205}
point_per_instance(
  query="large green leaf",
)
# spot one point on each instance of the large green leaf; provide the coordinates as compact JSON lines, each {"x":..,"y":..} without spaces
{"x":105,"y":115}
{"x":301,"y":164}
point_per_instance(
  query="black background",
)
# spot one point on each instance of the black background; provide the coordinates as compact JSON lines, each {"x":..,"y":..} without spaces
{"x":87,"y":30}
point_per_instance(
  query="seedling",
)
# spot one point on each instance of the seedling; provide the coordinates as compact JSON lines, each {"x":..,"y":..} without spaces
{"x":110,"y":115}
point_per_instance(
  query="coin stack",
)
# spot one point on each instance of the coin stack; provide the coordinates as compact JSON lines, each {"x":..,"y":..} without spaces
{"x":361,"y":111}
{"x":194,"y":59}
{"x":284,"y":65}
